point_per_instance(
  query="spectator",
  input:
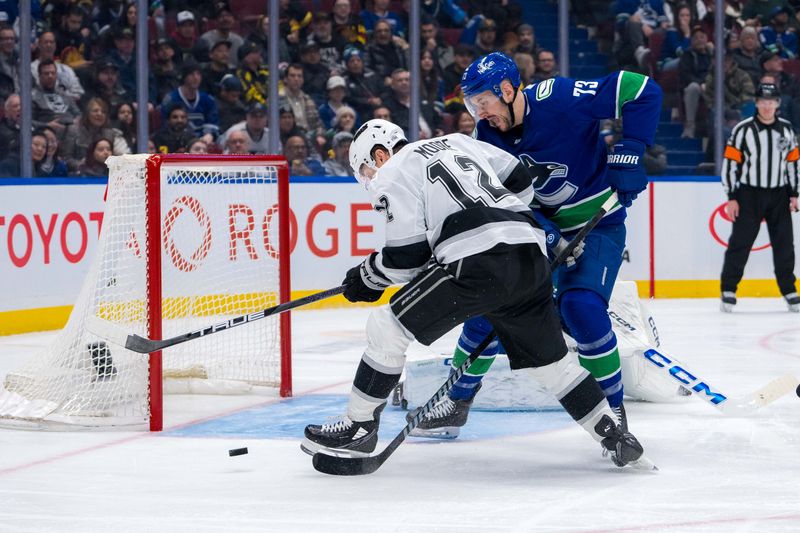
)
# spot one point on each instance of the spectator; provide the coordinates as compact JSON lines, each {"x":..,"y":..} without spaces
{"x":380,"y":12}
{"x":294,"y":19}
{"x":38,"y":152}
{"x":527,"y":40}
{"x":106,"y":13}
{"x":636,"y":21}
{"x":253,"y":76}
{"x":344,"y":121}
{"x":464,"y":123}
{"x":176,"y":134}
{"x":446,"y":13}
{"x":788,"y":86}
{"x":197,"y":146}
{"x":190,"y":48}
{"x":739,"y":92}
{"x":200,"y":107}
{"x":339,"y":164}
{"x":9,"y":125}
{"x":122,"y":56}
{"x":348,"y":24}
{"x":255,"y":128}
{"x":305,"y":110}
{"x":66,"y":79}
{"x":94,"y":164}
{"x":315,"y":73}
{"x":106,"y":85}
{"x":546,"y":66}
{"x":507,"y":14}
{"x":165,"y":69}
{"x":231,"y":108}
{"x":288,"y":127}
{"x":51,"y":165}
{"x":9,"y":58}
{"x":224,"y":32}
{"x":337,"y":89}
{"x":383,"y":54}
{"x":73,"y":38}
{"x":694,"y":66}
{"x":260,"y":37}
{"x":526,"y":66}
{"x":331,"y":45}
{"x":399,"y":100}
{"x":217,"y":68}
{"x":757,"y":12}
{"x":49,"y":106}
{"x":300,"y":164}
{"x":463,"y":55}
{"x":777,"y":37}
{"x":363,"y":87}
{"x":433,"y":42}
{"x":748,"y":54}
{"x":237,"y":143}
{"x":382,"y":112}
{"x":431,"y":86}
{"x":125,"y":122}
{"x":677,"y":39}
{"x":487,"y":38}
{"x":93,"y":123}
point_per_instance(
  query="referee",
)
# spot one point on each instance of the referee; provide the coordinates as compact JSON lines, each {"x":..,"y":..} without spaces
{"x":760,"y":177}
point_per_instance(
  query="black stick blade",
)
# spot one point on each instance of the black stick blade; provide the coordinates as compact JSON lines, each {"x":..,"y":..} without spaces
{"x":345,"y":466}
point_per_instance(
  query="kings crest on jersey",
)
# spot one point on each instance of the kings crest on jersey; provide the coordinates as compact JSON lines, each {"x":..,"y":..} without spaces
{"x":560,"y":140}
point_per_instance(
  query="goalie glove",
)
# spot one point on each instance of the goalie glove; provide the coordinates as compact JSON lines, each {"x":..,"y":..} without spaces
{"x":626,"y":170}
{"x":556,"y":243}
{"x":363,"y":283}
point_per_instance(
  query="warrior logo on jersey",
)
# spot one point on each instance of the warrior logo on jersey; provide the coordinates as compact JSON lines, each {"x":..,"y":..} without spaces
{"x":550,"y":181}
{"x":384,"y":208}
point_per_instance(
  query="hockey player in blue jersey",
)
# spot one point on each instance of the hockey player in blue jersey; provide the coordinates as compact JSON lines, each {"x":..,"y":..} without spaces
{"x":553,"y":127}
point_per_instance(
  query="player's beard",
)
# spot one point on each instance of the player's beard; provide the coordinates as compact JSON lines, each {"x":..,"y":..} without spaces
{"x":500,"y":122}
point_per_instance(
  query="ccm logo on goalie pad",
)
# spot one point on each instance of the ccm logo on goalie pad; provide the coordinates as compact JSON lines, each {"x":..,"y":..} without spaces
{"x":684,"y":377}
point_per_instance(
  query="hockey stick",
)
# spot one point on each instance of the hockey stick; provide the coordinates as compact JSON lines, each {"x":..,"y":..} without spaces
{"x":357,"y":466}
{"x":690,"y":380}
{"x":137,"y":343}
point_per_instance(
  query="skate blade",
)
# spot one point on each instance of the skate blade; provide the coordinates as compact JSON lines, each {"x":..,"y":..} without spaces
{"x":311,"y":448}
{"x":438,"y":433}
{"x":643,"y":463}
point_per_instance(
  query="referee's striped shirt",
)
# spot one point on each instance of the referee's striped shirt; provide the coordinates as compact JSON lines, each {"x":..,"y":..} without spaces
{"x":761,"y":155}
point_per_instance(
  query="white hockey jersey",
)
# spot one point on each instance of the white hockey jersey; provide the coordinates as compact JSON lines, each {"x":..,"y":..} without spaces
{"x":446,"y":197}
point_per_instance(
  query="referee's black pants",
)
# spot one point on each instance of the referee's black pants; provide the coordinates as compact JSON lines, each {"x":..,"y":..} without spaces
{"x":756,"y":204}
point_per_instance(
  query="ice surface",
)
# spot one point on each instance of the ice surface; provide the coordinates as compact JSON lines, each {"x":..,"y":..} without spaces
{"x":508,"y":472}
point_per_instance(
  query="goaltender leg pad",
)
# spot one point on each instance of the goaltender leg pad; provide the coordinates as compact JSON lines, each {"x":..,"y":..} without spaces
{"x":474,"y":331}
{"x":598,"y":266}
{"x":380,"y":366}
{"x":585,"y":314}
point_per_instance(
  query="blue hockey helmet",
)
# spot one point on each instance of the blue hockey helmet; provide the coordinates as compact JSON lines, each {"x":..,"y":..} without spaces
{"x":486,"y":74}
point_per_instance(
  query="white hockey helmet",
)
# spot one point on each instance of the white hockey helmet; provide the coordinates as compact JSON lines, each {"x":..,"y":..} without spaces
{"x":371,"y":133}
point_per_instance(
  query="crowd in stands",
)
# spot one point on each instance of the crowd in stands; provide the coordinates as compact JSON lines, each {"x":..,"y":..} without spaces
{"x":674,"y":41}
{"x":208,"y":81}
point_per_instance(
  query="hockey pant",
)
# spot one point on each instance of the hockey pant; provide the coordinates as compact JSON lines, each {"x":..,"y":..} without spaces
{"x":583,"y":295}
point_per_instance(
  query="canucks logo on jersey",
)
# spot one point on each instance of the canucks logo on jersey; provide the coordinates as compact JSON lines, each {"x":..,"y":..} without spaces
{"x":550,"y":181}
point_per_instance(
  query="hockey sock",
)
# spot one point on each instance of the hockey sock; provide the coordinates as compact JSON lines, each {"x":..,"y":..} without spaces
{"x":371,"y":386}
{"x":474,"y":331}
{"x":585,"y":314}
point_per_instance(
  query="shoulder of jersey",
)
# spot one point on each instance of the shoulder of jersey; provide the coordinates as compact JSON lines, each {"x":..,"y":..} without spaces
{"x":543,"y":91}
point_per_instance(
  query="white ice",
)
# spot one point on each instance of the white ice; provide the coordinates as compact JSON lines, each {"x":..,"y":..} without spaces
{"x":717,"y":473}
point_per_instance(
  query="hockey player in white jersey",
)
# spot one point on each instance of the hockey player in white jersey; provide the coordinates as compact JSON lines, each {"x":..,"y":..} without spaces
{"x":448,"y":198}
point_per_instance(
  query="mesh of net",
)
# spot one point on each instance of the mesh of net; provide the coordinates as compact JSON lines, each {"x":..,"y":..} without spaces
{"x":218,"y":261}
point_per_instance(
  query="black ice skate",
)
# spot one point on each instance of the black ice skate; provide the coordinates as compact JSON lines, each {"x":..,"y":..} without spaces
{"x":727,"y":302}
{"x":622,"y":418}
{"x":793,"y":301}
{"x":622,"y":446}
{"x":444,"y":419}
{"x":344,"y":436}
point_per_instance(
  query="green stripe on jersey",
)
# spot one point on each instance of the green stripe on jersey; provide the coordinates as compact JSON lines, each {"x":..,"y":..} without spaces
{"x":601,"y":367}
{"x":573,"y":216}
{"x":629,"y":86}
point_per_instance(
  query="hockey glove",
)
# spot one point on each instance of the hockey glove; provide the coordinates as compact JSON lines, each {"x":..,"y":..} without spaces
{"x":626,"y":170}
{"x":556,"y":243}
{"x":362,"y":283}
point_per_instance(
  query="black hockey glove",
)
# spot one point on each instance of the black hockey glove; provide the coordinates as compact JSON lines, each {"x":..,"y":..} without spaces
{"x":363,"y":283}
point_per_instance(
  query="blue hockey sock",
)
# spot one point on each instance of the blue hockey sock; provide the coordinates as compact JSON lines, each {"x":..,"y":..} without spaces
{"x":584,"y":312}
{"x":474,"y":331}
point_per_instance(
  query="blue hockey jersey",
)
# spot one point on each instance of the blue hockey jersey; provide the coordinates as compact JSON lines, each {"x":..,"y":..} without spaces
{"x":559,"y":139}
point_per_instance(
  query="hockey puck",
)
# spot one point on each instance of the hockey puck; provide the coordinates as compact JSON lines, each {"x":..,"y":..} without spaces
{"x":798,"y":390}
{"x":237,"y":451}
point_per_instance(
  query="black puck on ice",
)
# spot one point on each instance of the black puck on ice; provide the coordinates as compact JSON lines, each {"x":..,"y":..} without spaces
{"x":237,"y":451}
{"x":798,"y":390}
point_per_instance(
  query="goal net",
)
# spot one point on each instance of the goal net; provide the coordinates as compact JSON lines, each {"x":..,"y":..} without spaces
{"x":186,"y":241}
